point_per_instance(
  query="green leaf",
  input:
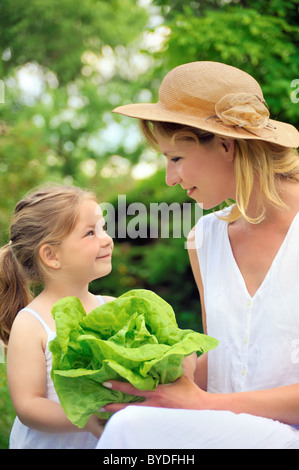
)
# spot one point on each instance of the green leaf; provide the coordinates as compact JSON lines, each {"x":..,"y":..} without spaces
{"x":134,"y":338}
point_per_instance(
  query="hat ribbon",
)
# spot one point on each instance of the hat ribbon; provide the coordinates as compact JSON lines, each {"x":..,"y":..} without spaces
{"x":244,"y":110}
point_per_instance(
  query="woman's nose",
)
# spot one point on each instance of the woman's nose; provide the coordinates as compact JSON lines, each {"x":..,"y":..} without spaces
{"x":172,"y":178}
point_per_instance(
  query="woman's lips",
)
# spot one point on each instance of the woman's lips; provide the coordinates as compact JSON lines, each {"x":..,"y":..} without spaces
{"x":191,"y":191}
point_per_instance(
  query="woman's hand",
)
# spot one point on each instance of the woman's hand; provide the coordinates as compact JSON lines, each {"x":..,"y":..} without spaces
{"x":183,"y":393}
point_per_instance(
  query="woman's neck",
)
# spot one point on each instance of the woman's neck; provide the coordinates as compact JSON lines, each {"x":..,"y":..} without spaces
{"x":288,"y":191}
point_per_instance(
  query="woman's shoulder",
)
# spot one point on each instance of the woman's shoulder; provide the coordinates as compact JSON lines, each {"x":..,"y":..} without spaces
{"x":208,"y":227}
{"x":218,"y":215}
{"x":213,"y":220}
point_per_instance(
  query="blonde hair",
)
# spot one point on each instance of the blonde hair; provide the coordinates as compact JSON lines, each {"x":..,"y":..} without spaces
{"x":46,"y":215}
{"x":254,"y":159}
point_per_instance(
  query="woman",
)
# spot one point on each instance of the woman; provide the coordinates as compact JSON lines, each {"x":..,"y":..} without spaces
{"x":213,"y":126}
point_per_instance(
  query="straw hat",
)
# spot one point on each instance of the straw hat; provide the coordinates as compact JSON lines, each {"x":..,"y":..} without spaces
{"x":218,"y":98}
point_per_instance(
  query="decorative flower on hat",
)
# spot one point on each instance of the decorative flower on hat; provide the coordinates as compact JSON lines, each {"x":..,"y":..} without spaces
{"x":244,"y":110}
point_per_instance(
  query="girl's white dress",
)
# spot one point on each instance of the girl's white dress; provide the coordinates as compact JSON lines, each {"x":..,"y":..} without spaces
{"x":23,"y":437}
{"x":259,"y":349}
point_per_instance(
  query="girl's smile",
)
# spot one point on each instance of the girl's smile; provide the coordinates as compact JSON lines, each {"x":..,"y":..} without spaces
{"x":104,"y":256}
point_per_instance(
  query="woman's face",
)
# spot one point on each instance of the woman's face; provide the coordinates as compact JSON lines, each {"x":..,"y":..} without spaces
{"x":206,"y":171}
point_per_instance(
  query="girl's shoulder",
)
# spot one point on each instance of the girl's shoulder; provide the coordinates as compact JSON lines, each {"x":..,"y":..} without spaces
{"x":101,"y":299}
{"x":27,"y":329}
{"x":108,"y":298}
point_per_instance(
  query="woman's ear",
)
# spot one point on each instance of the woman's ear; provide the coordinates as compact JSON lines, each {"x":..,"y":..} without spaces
{"x":229,"y":147}
{"x":49,"y":256}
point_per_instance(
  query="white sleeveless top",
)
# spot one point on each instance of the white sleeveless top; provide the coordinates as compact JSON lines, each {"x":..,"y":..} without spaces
{"x":259,"y":335}
{"x":23,"y":437}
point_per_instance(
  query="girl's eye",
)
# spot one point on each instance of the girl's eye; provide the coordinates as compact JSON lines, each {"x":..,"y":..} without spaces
{"x":90,"y":233}
{"x":100,"y":228}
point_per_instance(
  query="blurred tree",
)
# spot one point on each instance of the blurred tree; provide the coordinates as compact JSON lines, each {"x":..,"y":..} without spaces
{"x":160,"y":263}
{"x":56,"y":34}
{"x":259,"y":37}
{"x":278,"y":8}
{"x":57,"y":61}
{"x":83,"y":60}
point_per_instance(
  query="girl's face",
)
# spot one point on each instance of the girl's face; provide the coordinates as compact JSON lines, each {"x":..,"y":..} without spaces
{"x":206,"y":171}
{"x":85,"y":254}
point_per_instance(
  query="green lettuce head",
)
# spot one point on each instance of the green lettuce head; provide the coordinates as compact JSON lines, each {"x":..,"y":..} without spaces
{"x":133,"y":338}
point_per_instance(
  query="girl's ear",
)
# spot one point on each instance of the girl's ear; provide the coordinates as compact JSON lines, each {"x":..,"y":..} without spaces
{"x":49,"y":256}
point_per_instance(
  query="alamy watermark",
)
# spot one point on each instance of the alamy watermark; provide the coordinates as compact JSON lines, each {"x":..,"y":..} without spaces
{"x":158,"y":220}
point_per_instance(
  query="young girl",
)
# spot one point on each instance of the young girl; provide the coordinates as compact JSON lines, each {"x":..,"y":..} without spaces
{"x":213,"y":126}
{"x":56,"y":239}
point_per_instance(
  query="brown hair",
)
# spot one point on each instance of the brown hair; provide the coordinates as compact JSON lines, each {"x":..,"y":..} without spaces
{"x":253,"y":158}
{"x":46,"y":215}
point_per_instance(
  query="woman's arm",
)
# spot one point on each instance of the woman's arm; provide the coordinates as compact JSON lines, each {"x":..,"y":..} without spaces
{"x":281,"y":404}
{"x":197,"y":274}
{"x":26,"y":373}
{"x":201,"y":372}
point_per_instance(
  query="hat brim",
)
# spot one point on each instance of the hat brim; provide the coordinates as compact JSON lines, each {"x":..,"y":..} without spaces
{"x":277,"y":132}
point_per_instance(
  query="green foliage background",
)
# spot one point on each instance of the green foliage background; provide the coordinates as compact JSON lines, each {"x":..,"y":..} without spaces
{"x":95,"y":55}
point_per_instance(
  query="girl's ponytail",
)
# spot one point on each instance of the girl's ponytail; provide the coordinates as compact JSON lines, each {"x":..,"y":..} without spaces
{"x":14,"y":290}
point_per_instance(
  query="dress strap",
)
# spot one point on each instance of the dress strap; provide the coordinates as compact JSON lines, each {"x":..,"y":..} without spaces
{"x":40,"y":319}
{"x":100,"y":299}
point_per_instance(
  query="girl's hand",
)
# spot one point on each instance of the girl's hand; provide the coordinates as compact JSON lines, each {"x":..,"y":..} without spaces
{"x":183,"y":393}
{"x":95,"y":426}
{"x":189,"y":366}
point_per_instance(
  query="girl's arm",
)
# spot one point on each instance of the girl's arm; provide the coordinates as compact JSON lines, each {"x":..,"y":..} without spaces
{"x":26,"y":373}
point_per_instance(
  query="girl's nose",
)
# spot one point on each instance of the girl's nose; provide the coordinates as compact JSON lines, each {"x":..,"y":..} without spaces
{"x":106,"y":241}
{"x":102,"y":234}
{"x":105,"y":238}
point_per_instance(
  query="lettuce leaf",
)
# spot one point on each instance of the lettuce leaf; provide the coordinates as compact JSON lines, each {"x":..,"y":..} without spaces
{"x":133,"y":338}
